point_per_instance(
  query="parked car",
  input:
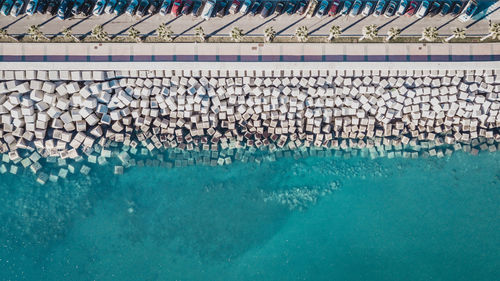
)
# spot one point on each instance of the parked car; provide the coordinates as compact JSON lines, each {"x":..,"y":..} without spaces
{"x":468,"y":11}
{"x":41,"y":8}
{"x":7,"y":5}
{"x":254,"y":8}
{"x":311,"y":8}
{"x":77,"y":7}
{"x":31,"y":8}
{"x":110,"y":6}
{"x":234,"y":7}
{"x":322,"y":9}
{"x":165,"y":6}
{"x":131,"y":7}
{"x":186,"y":9}
{"x":17,"y":8}
{"x":208,"y":9}
{"x":176,"y":8}
{"x":63,"y":8}
{"x":356,"y":7}
{"x":412,"y":9}
{"x":142,"y":9}
{"x":424,"y":8}
{"x":456,"y":8}
{"x":154,"y":7}
{"x":391,"y":9}
{"x":290,"y":7}
{"x":379,"y":8}
{"x":445,"y":8}
{"x":279,"y":8}
{"x":267,"y":9}
{"x":221,"y":8}
{"x":99,"y":7}
{"x":368,"y":9}
{"x":119,"y":7}
{"x":50,"y":9}
{"x":434,"y":9}
{"x":245,"y":7}
{"x":402,"y":7}
{"x":195,"y":10}
{"x":346,"y":7}
{"x":301,"y":7}
{"x":334,"y":8}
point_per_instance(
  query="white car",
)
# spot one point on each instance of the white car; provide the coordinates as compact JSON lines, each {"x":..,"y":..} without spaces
{"x":402,"y":7}
{"x":424,"y":8}
{"x":207,"y":11}
{"x":468,"y":11}
{"x":368,"y":9}
{"x":245,"y":7}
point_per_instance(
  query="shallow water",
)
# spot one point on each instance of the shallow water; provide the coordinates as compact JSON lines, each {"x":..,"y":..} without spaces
{"x":318,"y":218}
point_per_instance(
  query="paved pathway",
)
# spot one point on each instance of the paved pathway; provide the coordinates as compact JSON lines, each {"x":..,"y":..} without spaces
{"x":247,"y":52}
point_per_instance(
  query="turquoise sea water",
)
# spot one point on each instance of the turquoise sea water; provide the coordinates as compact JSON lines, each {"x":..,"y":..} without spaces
{"x":318,"y":218}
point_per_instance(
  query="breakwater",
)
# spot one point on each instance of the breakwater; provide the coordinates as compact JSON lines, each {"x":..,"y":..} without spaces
{"x":74,"y":119}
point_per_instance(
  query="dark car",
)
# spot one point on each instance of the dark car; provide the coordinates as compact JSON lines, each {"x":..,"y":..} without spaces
{"x":456,"y":8}
{"x":301,"y":7}
{"x":279,"y":8}
{"x":434,"y":9}
{"x":198,"y":10}
{"x":255,"y":8}
{"x":63,"y":9}
{"x":153,"y":8}
{"x":266,"y":10}
{"x":77,"y":8}
{"x":445,"y":9}
{"x":142,"y":8}
{"x":195,"y":8}
{"x":42,"y":7}
{"x":87,"y":8}
{"x":412,"y":8}
{"x":221,"y":8}
{"x":120,"y":7}
{"x":323,"y":8}
{"x":186,"y":9}
{"x":391,"y":9}
{"x":290,"y":7}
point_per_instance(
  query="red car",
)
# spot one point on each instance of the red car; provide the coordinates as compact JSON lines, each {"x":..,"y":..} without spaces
{"x":176,"y":7}
{"x":334,"y":8}
{"x":412,"y":8}
{"x":234,"y":7}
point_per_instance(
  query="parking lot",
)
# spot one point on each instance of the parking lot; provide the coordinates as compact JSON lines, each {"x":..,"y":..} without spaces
{"x":284,"y":24}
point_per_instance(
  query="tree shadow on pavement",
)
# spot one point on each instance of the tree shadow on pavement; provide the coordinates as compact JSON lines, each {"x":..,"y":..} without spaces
{"x":191,"y":27}
{"x":446,"y":23}
{"x":409,"y":25}
{"x":290,"y":25}
{"x":125,"y":29}
{"x":224,"y":26}
{"x":47,"y":21}
{"x":323,"y":25}
{"x":10,"y":24}
{"x":353,"y":24}
{"x":482,"y":17}
{"x":387,"y":23}
{"x":167,"y":23}
{"x":260,"y":25}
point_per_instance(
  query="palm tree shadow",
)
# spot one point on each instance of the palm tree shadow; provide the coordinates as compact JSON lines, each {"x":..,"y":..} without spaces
{"x":224,"y":26}
{"x":47,"y":21}
{"x":191,"y":27}
{"x":409,"y":25}
{"x":154,"y":30}
{"x":353,"y":24}
{"x":290,"y":25}
{"x":482,"y":17}
{"x":12,"y":23}
{"x":323,"y":25}
{"x":387,"y":23}
{"x":133,"y":25}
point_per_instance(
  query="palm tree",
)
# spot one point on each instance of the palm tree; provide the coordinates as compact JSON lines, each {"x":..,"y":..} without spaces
{"x":369,"y":32}
{"x":68,"y":34}
{"x":35,"y":33}
{"x":393,"y":33}
{"x":457,"y":33}
{"x":269,"y":34}
{"x":429,"y":34}
{"x":335,"y":32}
{"x":302,"y":33}
{"x":494,"y":32}
{"x":200,"y":33}
{"x":5,"y":34}
{"x":236,"y":34}
{"x":99,"y":33}
{"x":165,"y":33}
{"x":134,"y":34}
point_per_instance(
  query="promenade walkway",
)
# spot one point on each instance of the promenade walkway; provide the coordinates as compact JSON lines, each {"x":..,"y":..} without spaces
{"x":247,"y":52}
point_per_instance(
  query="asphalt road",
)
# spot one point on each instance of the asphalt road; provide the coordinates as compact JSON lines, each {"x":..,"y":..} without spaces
{"x":253,"y":26}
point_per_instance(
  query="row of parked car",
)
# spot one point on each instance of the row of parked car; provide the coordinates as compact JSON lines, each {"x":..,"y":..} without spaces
{"x":211,"y":8}
{"x":389,"y":8}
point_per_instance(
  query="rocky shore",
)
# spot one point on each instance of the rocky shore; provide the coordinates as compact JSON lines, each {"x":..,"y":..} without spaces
{"x":70,"y":121}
